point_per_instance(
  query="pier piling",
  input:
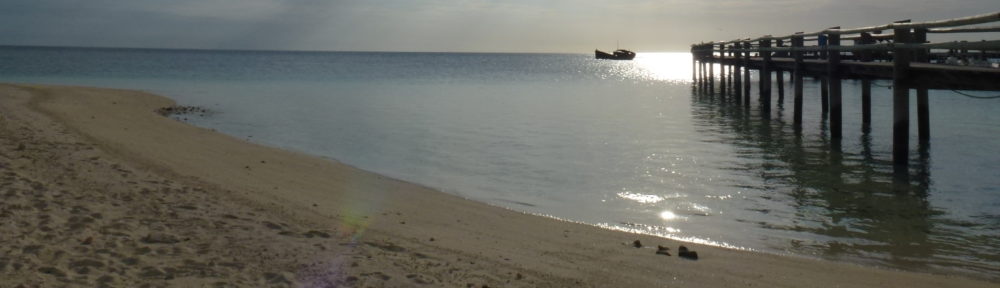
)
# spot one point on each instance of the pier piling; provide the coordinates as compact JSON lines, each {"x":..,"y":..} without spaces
{"x":701,"y":75}
{"x":797,"y":72}
{"x":900,"y":101}
{"x":836,"y":107}
{"x":824,"y":94}
{"x":866,"y":105}
{"x":737,"y":76}
{"x":923,"y":107}
{"x":765,"y":77}
{"x":746,"y":74}
{"x":780,"y":74}
{"x":722,"y":71}
{"x":711,"y":74}
{"x":731,"y":72}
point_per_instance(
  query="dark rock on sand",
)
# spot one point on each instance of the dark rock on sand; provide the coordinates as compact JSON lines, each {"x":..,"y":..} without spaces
{"x":271,"y":225}
{"x":314,"y":233}
{"x":277,"y":278}
{"x":87,"y":263}
{"x":662,"y":250}
{"x":183,"y":110}
{"x":106,"y":279}
{"x":637,"y":244}
{"x":52,"y":271}
{"x":387,"y":246}
{"x":151,"y":272}
{"x":683,"y":252}
{"x":160,"y":238}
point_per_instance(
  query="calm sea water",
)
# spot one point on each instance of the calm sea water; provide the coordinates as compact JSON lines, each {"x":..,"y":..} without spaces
{"x":625,"y":145}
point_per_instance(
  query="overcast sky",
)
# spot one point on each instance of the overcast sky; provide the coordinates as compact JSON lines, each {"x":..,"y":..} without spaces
{"x":576,"y":26}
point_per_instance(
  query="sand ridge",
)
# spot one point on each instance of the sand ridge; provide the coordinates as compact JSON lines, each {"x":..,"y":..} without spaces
{"x":105,"y":191}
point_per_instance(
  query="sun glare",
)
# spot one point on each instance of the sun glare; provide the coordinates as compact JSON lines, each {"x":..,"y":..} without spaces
{"x":665,"y":66}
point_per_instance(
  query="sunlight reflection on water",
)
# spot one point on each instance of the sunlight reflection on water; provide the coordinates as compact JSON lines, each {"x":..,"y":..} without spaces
{"x":650,"y":68}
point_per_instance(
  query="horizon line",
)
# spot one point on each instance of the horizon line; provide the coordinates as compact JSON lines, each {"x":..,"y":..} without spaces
{"x":301,"y":50}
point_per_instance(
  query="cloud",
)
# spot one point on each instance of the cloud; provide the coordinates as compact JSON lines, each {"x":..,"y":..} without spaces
{"x":233,"y":10}
{"x":441,"y":25}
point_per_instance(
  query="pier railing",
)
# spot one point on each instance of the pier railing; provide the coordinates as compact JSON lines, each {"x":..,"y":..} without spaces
{"x":898,"y":51}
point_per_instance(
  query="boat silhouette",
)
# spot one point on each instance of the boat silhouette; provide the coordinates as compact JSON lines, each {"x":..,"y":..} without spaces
{"x":620,"y":54}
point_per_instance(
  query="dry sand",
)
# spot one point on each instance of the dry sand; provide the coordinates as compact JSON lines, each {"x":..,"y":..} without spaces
{"x":96,"y":189}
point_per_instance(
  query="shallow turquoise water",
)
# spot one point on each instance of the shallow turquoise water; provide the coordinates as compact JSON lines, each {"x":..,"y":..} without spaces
{"x":626,"y":145}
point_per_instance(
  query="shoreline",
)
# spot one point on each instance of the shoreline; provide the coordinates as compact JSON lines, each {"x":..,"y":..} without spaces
{"x":311,"y":220}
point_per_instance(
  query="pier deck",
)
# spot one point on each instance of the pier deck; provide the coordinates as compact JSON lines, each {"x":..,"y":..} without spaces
{"x":923,"y":75}
{"x":908,"y":59}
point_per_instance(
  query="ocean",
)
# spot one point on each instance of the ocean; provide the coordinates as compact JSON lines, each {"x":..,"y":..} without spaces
{"x":627,"y":145}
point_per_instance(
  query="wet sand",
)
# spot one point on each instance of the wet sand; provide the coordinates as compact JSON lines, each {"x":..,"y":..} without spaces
{"x":98,"y":189}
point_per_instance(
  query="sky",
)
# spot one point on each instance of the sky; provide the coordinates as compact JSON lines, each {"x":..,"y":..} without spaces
{"x":562,"y":26}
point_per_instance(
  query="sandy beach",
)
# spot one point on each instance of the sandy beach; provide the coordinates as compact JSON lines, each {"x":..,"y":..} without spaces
{"x":98,"y":190}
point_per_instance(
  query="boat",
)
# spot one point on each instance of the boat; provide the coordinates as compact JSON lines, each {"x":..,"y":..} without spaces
{"x":620,"y":54}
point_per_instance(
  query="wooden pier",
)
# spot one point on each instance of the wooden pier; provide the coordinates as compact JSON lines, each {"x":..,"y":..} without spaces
{"x":898,"y":51}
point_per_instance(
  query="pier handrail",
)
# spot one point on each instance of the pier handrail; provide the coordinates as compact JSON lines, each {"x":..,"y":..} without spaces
{"x":992,"y":44}
{"x":964,"y":21}
{"x":965,"y":30}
